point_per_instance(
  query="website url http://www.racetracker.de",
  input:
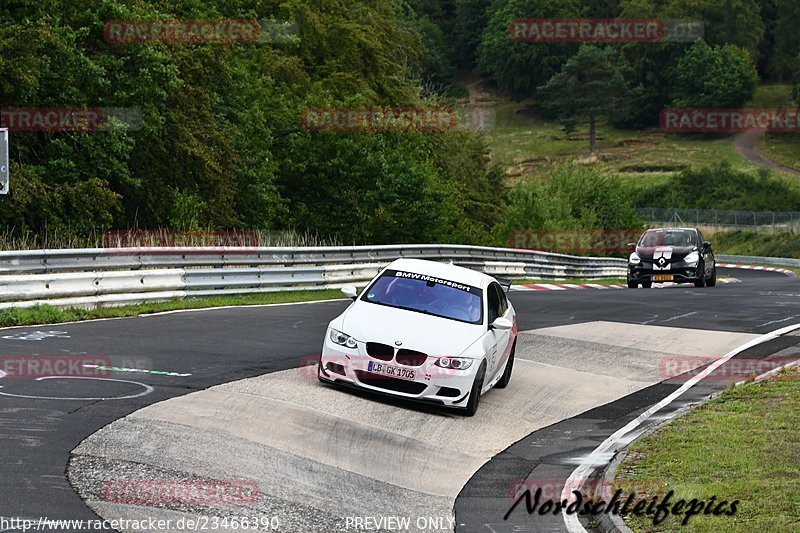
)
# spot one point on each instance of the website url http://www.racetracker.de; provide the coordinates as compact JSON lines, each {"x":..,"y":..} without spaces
{"x":198,"y":523}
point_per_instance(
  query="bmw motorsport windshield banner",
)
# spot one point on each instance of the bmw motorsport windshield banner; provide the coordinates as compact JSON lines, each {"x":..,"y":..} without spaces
{"x":431,"y":279}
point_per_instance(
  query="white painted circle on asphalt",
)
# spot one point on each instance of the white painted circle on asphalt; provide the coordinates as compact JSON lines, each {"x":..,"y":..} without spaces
{"x":147,"y":390}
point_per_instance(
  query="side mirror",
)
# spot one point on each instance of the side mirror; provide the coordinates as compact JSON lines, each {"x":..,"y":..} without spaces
{"x":631,"y":246}
{"x":350,"y":291}
{"x":502,"y":324}
{"x":706,"y":245}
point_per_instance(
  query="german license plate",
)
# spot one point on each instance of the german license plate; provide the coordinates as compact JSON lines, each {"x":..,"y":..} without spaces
{"x":663,"y":278}
{"x":391,"y":371}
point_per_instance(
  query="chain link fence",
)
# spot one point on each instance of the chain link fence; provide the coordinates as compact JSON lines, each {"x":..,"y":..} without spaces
{"x":760,"y":221}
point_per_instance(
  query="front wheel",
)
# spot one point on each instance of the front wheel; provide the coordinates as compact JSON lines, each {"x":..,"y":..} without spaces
{"x":475,"y":393}
{"x":647,"y":284}
{"x":503,"y":383}
{"x":712,"y":281}
{"x":701,"y":271}
{"x":632,"y":285}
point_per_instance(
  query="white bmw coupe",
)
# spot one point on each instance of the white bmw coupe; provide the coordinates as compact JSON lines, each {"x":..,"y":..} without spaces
{"x":424,"y":331}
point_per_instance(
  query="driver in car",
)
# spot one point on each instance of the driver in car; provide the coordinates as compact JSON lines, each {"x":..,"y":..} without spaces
{"x":463,"y":306}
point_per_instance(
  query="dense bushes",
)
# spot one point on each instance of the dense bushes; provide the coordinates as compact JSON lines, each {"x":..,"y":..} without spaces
{"x":575,"y":197}
{"x":723,"y":187}
{"x":220,"y":144}
{"x":739,"y":35}
{"x":784,"y":244}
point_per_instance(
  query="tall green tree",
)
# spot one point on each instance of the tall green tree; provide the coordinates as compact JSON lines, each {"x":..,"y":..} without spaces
{"x":734,"y":22}
{"x":796,"y":82}
{"x":590,"y":86}
{"x":650,"y":68}
{"x":718,"y":76}
{"x":787,"y":40}
{"x":519,"y":68}
{"x":470,"y":20}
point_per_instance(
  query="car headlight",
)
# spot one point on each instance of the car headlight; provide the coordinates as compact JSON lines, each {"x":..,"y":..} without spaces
{"x":635,"y":259}
{"x":342,"y":339}
{"x":455,"y":363}
{"x":692,"y":258}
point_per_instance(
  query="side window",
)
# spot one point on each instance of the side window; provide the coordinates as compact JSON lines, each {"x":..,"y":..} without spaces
{"x":493,"y":302}
{"x":502,"y":297}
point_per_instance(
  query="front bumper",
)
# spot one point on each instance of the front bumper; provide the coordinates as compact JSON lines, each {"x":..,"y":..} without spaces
{"x":431,"y":383}
{"x":681,"y":273}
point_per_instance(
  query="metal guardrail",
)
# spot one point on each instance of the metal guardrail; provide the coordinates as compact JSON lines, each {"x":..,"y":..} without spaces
{"x":115,"y":276}
{"x":93,"y":259}
{"x":118,"y":276}
{"x":770,"y":261}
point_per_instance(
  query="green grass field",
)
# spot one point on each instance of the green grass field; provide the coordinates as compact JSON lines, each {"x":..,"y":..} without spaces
{"x":527,"y":147}
{"x":783,"y":148}
{"x":742,"y":446}
{"x":46,"y":314}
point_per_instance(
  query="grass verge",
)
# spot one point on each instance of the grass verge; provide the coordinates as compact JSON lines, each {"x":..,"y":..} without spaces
{"x":743,"y":446}
{"x":47,"y":314}
{"x":785,"y":244}
{"x":781,"y":148}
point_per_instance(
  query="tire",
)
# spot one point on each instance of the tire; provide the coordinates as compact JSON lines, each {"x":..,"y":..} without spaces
{"x":701,"y":281}
{"x":712,"y":281}
{"x":632,"y":285}
{"x":647,"y":284}
{"x":503,"y":383}
{"x":475,"y":393}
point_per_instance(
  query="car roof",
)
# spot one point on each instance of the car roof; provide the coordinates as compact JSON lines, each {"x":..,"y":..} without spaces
{"x":445,"y":271}
{"x":670,"y":229}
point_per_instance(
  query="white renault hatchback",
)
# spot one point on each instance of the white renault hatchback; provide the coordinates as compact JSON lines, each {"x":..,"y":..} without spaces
{"x":424,"y":331}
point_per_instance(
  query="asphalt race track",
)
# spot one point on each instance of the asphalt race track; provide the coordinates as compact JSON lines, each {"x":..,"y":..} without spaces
{"x":589,"y":362}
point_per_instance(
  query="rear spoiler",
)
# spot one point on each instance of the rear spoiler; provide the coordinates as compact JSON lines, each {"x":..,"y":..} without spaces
{"x":504,"y":282}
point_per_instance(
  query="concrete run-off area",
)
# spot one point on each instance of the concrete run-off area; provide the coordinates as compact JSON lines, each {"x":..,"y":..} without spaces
{"x":322,"y":457}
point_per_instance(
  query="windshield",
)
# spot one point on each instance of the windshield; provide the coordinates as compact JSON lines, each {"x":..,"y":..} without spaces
{"x":426,"y":294}
{"x":677,"y":237}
